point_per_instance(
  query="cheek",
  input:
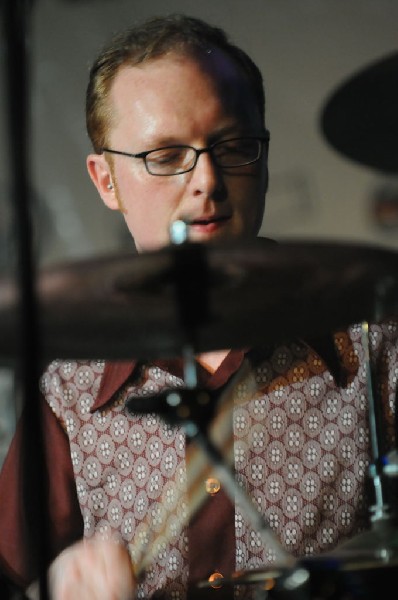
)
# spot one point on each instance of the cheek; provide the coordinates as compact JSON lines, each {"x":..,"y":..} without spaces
{"x":139,"y":190}
{"x":252,"y":200}
{"x":145,"y":221}
{"x":149,"y":206}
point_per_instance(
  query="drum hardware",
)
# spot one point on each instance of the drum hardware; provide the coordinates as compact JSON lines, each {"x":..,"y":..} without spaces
{"x":280,"y":583}
{"x":360,"y":120}
{"x":192,"y":408}
{"x":188,"y":298}
{"x":62,"y":320}
{"x":390,"y":464}
{"x":121,"y":307}
{"x":340,"y":573}
{"x":25,"y":330}
{"x":354,"y":568}
{"x":380,"y":510}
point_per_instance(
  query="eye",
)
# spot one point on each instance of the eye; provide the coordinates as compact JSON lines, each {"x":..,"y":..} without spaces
{"x":168,"y":156}
{"x":236,"y":151}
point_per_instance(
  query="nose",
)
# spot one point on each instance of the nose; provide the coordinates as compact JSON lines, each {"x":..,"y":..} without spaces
{"x":206,"y":178}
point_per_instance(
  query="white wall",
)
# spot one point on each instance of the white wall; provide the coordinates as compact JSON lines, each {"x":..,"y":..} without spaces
{"x":305,"y":49}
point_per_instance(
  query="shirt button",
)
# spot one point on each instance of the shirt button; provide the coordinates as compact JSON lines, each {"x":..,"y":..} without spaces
{"x":212,"y":486}
{"x":216,"y":577}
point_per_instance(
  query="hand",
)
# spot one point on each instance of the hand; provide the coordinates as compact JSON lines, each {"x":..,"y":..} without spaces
{"x":92,"y":570}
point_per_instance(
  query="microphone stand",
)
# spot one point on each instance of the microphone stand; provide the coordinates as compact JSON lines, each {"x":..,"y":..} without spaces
{"x":16,"y":16}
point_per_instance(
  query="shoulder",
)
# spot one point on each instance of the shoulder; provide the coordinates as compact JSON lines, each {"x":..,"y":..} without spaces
{"x":67,"y":383}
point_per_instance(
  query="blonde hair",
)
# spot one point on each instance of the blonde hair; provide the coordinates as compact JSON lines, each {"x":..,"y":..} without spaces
{"x":155,"y":38}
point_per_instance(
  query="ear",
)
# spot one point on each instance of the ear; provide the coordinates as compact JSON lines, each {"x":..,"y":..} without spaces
{"x":100,"y":172}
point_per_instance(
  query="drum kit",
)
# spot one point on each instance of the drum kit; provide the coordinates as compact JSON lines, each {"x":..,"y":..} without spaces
{"x":152,"y":306}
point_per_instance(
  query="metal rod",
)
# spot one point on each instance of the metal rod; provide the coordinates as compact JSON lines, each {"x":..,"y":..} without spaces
{"x":380,"y":509}
{"x":17,"y":29}
{"x":237,"y":494}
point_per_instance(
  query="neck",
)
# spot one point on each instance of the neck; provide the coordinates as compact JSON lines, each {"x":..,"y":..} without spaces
{"x":212,"y":360}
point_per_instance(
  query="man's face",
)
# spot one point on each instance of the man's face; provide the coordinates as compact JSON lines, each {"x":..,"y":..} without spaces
{"x":182,"y":100}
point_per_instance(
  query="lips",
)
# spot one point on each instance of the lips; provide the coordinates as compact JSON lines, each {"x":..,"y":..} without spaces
{"x":207,"y":226}
{"x":204,"y":221}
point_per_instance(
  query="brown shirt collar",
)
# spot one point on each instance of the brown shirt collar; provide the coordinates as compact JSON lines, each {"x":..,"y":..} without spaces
{"x":117,"y":373}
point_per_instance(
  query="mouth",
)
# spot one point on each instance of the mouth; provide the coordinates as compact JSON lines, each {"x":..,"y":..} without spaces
{"x":209,"y":221}
{"x":205,"y":227}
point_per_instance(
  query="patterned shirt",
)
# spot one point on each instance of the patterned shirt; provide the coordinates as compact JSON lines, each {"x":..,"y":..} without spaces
{"x":293,"y":416}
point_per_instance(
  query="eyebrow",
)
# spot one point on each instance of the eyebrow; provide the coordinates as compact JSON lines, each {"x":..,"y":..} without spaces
{"x":229,"y":131}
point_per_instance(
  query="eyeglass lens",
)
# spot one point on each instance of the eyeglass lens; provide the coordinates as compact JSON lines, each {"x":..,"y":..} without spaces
{"x":229,"y":153}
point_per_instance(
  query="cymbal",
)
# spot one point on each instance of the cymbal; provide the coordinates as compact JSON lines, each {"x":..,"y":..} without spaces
{"x":356,"y":568}
{"x":372,"y":549}
{"x":210,"y":297}
{"x":360,"y":118}
{"x":269,"y":578}
{"x":353,"y":570}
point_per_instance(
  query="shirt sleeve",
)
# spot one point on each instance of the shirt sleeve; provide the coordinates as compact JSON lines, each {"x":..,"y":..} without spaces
{"x":61,"y":515}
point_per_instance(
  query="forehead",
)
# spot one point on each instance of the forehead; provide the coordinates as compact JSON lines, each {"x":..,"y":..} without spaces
{"x":183,"y":84}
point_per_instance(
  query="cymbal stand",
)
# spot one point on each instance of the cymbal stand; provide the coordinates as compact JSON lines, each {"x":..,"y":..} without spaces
{"x":383,"y":519}
{"x":380,"y":541}
{"x":385,"y":301}
{"x":390,"y":461}
{"x":380,"y":510}
{"x":16,"y":16}
{"x":191,"y":407}
{"x":382,"y":536}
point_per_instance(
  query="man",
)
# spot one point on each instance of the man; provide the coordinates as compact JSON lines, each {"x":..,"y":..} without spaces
{"x":176,"y":117}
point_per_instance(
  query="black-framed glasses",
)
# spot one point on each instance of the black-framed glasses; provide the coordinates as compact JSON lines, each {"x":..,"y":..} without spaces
{"x":178,"y":159}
